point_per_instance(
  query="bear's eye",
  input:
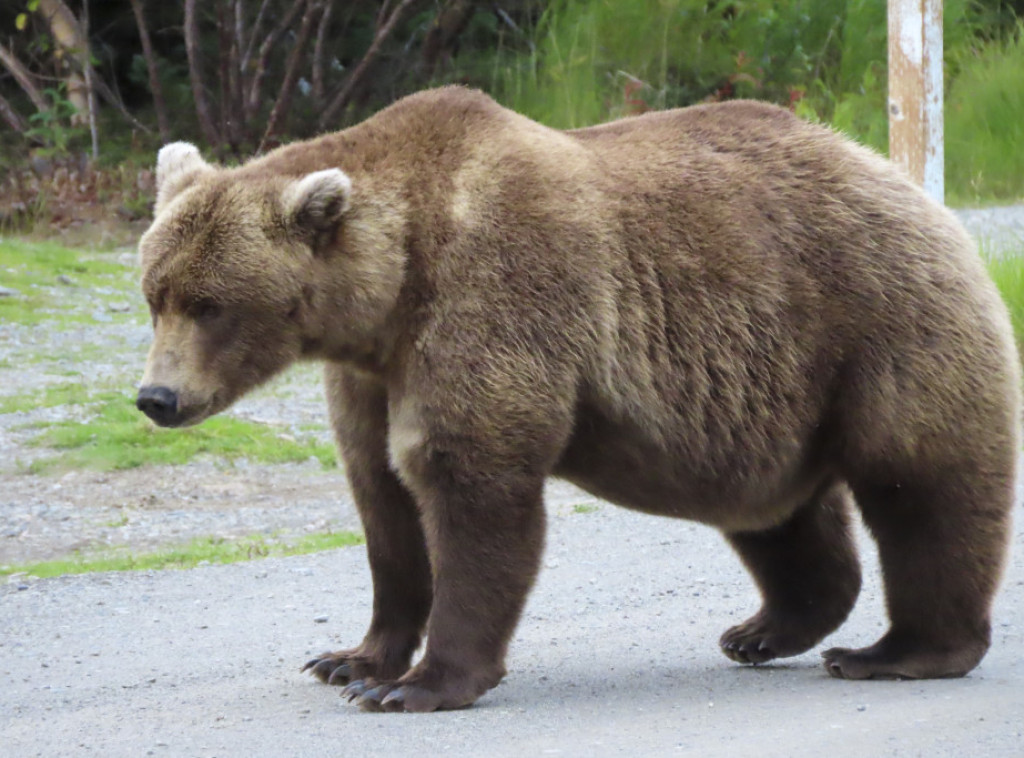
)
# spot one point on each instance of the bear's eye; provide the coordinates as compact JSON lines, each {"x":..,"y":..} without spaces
{"x":204,"y":310}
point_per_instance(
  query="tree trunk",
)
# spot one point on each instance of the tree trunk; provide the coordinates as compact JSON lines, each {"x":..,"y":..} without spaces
{"x":70,"y":39}
{"x":196,"y":76}
{"x":155,"y":87}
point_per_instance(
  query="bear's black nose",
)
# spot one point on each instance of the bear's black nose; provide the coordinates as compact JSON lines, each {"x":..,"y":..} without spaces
{"x":159,"y":403}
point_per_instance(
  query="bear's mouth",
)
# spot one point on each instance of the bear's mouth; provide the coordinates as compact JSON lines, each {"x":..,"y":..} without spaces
{"x":192,"y":414}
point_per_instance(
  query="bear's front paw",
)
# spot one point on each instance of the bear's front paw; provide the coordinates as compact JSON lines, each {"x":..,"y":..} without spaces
{"x":332,"y":668}
{"x":422,"y":690}
{"x":359,"y":663}
{"x":766,"y":636}
{"x":392,"y":697}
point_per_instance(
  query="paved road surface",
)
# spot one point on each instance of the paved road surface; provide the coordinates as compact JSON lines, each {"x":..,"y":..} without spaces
{"x":616,"y":655}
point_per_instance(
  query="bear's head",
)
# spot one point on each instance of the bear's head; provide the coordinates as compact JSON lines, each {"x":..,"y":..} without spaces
{"x":246,"y":270}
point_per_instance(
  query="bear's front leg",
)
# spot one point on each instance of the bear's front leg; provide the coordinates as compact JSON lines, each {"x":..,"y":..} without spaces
{"x":484,"y":522}
{"x":395,"y":543}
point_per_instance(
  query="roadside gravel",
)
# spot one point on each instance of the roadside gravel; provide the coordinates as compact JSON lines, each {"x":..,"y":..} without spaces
{"x":999,"y":230}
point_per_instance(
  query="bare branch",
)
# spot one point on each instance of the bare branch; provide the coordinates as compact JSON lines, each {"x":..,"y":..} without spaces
{"x":382,"y":13}
{"x":255,"y":90}
{"x":90,"y":90}
{"x":23,"y":78}
{"x":450,"y":22}
{"x":154,"y":77}
{"x":195,"y":75}
{"x":344,"y":94}
{"x":318,"y":55}
{"x":291,"y":72}
{"x":12,"y":117}
{"x":236,"y":76}
{"x":228,"y":120}
{"x":253,"y":34}
{"x":111,"y":98}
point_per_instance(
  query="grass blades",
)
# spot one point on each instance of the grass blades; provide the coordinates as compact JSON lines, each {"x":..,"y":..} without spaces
{"x":206,"y":550}
{"x":1008,"y":274}
{"x":52,"y":282}
{"x":985,"y":124}
{"x":116,"y":436}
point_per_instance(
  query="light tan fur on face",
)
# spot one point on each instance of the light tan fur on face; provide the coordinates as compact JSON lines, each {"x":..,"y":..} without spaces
{"x":172,"y":364}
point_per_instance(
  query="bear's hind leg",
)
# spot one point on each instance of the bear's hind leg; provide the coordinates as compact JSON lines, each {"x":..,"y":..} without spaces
{"x":809,"y":577}
{"x":941,"y":546}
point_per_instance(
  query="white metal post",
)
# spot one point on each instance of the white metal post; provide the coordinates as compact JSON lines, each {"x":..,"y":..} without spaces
{"x":915,"y":91}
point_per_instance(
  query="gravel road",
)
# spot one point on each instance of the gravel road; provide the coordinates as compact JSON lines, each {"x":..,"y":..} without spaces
{"x":616,"y":654}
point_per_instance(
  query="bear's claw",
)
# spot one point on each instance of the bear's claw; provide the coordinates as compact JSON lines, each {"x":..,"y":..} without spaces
{"x":748,"y":652}
{"x":355,"y":689}
{"x":328,"y":670}
{"x":340,"y":675}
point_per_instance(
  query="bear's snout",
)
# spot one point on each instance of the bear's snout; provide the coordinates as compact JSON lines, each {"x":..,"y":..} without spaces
{"x":159,"y":403}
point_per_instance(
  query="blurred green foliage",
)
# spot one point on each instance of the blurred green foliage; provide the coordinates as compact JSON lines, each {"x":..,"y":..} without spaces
{"x":566,"y":63}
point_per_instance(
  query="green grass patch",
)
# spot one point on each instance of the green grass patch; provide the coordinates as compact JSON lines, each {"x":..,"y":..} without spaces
{"x":985,"y":124}
{"x":116,"y":436}
{"x":1008,"y":273}
{"x":213,"y":550}
{"x":56,"y":283}
{"x":50,"y":397}
{"x":584,"y":508}
{"x":112,"y":435}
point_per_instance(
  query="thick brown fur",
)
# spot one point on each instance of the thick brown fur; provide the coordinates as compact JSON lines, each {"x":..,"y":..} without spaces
{"x":720,"y":313}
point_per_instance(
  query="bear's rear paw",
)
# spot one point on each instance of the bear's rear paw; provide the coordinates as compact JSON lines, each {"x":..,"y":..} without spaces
{"x":765,"y":636}
{"x":892,"y":658}
{"x":347,"y":666}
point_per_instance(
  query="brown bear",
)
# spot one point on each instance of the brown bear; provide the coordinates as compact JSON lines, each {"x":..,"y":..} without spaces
{"x":720,"y":313}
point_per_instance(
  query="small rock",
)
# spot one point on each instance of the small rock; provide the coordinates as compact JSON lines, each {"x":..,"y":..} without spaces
{"x":119,"y":307}
{"x":66,"y":280}
{"x":22,"y":587}
{"x":320,"y":619}
{"x":8,"y":292}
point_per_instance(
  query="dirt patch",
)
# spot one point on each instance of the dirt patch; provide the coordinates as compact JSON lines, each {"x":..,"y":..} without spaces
{"x":48,"y":517}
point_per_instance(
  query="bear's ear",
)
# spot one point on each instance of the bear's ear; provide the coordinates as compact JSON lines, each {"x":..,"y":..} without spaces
{"x":178,"y":165}
{"x":317,"y":201}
